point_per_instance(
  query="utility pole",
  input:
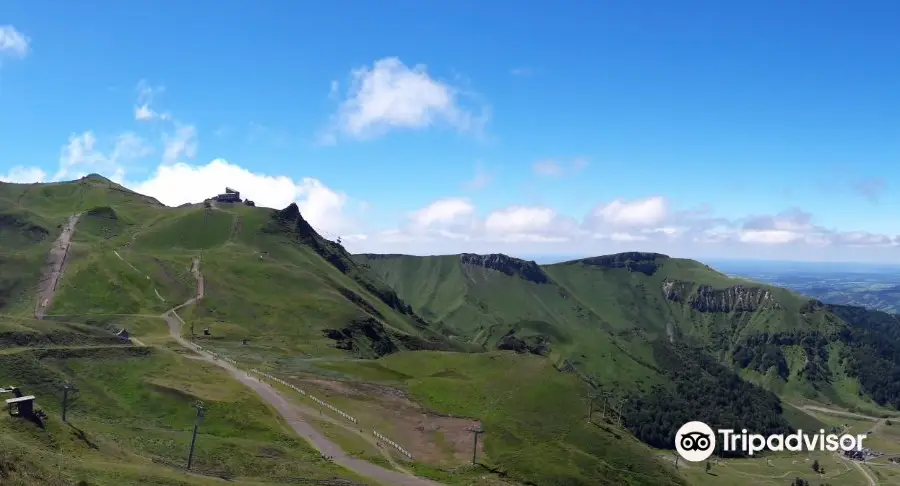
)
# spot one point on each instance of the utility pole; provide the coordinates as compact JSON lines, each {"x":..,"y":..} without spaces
{"x":591,"y":397}
{"x":66,"y":387}
{"x":621,"y":404}
{"x":475,"y":431}
{"x":199,"y":407}
{"x":606,"y":396}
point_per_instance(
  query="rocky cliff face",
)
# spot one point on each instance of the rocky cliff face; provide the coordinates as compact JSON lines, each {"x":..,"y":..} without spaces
{"x":646,"y":263}
{"x":707,"y":299}
{"x":290,"y":221}
{"x":511,"y":266}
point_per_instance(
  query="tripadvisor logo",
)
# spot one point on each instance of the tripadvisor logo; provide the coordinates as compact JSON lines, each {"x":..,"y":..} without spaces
{"x":696,"y":441}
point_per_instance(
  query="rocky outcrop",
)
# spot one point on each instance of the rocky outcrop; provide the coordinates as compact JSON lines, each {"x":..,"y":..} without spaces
{"x":11,"y":224}
{"x":513,"y":267}
{"x":381,"y":256}
{"x":366,"y":338}
{"x":102,"y":212}
{"x":539,"y":345}
{"x":704,"y":298}
{"x":290,"y":222}
{"x":812,"y":306}
{"x":646,"y":263}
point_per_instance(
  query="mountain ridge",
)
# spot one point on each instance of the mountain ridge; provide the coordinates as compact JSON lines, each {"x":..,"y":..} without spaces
{"x":660,"y":334}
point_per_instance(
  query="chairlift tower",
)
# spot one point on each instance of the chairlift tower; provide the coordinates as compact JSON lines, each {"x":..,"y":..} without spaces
{"x":621,"y":405}
{"x":66,"y":388}
{"x":476,"y":431}
{"x":200,"y":410}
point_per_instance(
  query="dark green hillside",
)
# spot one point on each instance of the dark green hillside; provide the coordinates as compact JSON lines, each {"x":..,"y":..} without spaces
{"x":635,"y":322}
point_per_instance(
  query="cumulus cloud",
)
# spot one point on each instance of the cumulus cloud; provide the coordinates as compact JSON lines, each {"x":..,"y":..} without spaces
{"x":390,"y":95}
{"x":24,"y":175}
{"x":146,"y":96}
{"x":181,"y":144}
{"x":13,"y":43}
{"x":182,"y":183}
{"x":82,"y":155}
{"x":640,"y":213}
{"x":443,"y":211}
{"x":648,"y":224}
{"x":519,"y":219}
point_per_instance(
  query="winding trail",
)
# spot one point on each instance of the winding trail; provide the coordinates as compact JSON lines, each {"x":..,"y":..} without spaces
{"x":288,"y":410}
{"x":56,"y":263}
{"x":809,"y":409}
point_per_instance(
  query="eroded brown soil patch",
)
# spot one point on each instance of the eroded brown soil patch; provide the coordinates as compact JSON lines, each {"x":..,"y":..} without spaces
{"x":431,"y":438}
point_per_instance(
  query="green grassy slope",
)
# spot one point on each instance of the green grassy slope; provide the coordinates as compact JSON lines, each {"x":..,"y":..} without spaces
{"x":534,"y":417}
{"x":501,"y":310}
{"x":130,"y":256}
{"x":130,"y":423}
{"x":631,"y":322}
{"x":663,"y":335}
{"x":270,"y":277}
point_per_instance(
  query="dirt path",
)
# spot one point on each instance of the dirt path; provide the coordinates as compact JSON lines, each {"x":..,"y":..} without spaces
{"x":860,"y":468}
{"x":290,"y":411}
{"x":371,"y":440}
{"x":808,"y":409}
{"x":195,"y":270}
{"x":53,"y":270}
{"x":831,"y":411}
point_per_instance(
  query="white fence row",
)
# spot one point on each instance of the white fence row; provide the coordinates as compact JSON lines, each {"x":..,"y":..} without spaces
{"x":311,"y":397}
{"x":214,"y":354}
{"x":392,"y":443}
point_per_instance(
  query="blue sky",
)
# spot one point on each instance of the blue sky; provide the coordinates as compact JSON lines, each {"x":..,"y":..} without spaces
{"x":700,"y":129}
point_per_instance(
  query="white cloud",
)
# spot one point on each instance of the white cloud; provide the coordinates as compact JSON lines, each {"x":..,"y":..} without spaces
{"x":81,"y":155}
{"x":519,"y":220}
{"x":12,"y":42}
{"x":146,"y":96}
{"x":768,"y":237}
{"x":24,"y":175}
{"x":647,"y":212}
{"x":521,"y":71}
{"x":390,"y":95}
{"x":182,"y":144}
{"x":181,"y":183}
{"x":442,"y":211}
{"x":144,"y":112}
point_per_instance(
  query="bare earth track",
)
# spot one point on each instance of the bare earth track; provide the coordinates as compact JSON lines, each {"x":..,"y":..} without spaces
{"x":56,"y":263}
{"x":289,"y":411}
{"x":809,"y":409}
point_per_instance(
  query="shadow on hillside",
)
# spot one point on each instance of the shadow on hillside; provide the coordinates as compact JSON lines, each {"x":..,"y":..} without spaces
{"x":36,"y":418}
{"x":606,"y":428}
{"x":499,"y":471}
{"x":82,"y":436}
